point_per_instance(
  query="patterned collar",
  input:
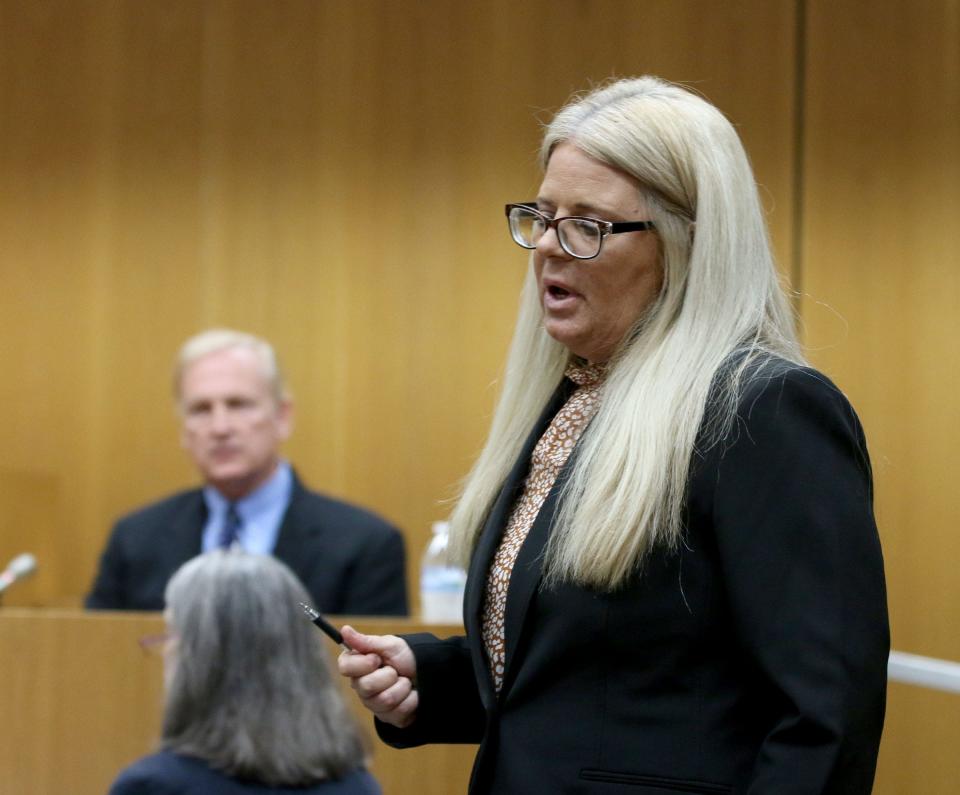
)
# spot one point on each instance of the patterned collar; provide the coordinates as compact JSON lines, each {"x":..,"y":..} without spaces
{"x":584,"y":373}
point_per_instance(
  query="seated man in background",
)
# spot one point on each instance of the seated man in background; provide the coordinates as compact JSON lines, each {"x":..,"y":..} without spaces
{"x":235,"y":413}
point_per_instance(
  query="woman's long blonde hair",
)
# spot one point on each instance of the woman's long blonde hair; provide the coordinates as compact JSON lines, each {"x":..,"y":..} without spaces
{"x":721,"y":304}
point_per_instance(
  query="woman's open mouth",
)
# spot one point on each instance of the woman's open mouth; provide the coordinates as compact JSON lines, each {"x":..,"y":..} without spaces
{"x":557,"y":298}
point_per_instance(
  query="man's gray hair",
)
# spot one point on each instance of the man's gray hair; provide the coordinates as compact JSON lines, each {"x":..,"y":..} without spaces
{"x":220,"y":339}
{"x":249,"y":689}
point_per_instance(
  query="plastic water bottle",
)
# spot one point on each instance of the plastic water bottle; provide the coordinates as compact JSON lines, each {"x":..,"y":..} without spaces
{"x":441,"y":585}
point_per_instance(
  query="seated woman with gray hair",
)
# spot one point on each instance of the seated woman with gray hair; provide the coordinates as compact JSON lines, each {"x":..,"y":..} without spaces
{"x":251,"y":705}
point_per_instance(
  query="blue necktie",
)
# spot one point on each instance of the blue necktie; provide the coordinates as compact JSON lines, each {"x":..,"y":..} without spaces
{"x":230,"y":532}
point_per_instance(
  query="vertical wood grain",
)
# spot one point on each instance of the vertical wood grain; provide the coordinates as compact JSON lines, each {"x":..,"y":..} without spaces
{"x":881,"y":290}
{"x":327,"y":174}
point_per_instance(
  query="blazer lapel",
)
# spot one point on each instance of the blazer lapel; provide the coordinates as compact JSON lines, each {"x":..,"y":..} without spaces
{"x":526,"y":574}
{"x":490,"y":539}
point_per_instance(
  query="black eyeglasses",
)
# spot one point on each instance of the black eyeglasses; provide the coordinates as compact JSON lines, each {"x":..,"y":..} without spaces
{"x":579,"y":236}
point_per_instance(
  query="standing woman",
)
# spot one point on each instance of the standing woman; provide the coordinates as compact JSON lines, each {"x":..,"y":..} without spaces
{"x":251,"y":703}
{"x":675,"y":580}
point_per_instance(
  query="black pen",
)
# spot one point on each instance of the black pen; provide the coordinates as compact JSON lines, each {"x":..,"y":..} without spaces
{"x":325,"y":626}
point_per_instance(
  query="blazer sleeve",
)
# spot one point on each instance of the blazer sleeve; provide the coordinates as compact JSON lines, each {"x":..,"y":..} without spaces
{"x":449,"y":709}
{"x":803,"y":573}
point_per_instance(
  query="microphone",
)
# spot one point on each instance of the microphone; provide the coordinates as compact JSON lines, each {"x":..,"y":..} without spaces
{"x":21,"y":566}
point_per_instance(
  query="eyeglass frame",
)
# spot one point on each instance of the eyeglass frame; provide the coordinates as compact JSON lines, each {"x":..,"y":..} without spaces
{"x":606,"y":227}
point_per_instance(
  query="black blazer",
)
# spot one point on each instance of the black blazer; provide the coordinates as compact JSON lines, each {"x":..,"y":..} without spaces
{"x":751,"y":660}
{"x":349,"y":559}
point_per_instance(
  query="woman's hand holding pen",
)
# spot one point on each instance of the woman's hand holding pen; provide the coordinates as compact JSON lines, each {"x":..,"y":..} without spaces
{"x":382,"y":669}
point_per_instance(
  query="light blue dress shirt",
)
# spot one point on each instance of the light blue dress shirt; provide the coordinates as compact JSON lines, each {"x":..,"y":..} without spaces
{"x":261,"y":513}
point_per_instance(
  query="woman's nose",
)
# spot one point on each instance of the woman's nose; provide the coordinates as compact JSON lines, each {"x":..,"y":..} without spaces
{"x":549,"y":244}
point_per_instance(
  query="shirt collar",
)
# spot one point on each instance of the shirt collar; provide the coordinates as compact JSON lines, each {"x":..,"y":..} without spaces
{"x":583,"y":373}
{"x":269,"y":493}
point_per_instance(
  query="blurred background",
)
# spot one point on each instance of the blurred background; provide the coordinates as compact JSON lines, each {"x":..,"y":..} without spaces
{"x":331,"y":175}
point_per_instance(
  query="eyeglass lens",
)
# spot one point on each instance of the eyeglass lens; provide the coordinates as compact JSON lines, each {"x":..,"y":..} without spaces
{"x":580,"y":237}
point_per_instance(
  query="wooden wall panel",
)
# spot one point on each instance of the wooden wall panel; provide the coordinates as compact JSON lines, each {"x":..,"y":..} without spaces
{"x":32,"y":522}
{"x":328,"y":174}
{"x":881,"y":288}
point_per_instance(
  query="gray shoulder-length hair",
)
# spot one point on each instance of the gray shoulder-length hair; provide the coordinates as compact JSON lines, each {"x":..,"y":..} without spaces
{"x":249,"y":688}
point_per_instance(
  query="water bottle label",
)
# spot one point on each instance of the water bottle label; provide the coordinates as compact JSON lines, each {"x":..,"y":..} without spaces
{"x":441,"y":594}
{"x":442,"y":578}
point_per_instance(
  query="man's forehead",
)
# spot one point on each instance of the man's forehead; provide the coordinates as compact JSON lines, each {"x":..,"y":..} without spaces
{"x":234,"y":371}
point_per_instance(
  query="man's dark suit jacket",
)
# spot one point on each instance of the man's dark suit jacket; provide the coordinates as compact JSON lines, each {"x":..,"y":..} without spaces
{"x":350,"y":560}
{"x":752,"y":659}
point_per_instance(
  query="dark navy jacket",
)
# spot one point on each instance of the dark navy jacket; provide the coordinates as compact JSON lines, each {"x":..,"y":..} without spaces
{"x":167,"y":773}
